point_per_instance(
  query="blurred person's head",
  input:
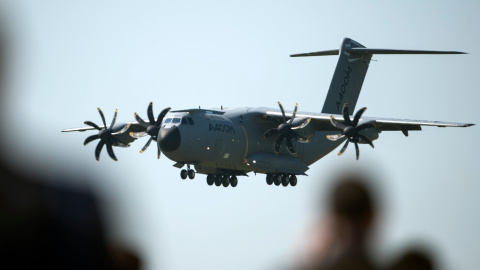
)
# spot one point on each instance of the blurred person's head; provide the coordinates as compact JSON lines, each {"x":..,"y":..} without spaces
{"x":413,"y":259}
{"x":352,"y":206}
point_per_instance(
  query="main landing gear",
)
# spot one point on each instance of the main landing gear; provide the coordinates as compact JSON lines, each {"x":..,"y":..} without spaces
{"x":187,"y":173}
{"x":282,"y":178}
{"x":222,"y":179}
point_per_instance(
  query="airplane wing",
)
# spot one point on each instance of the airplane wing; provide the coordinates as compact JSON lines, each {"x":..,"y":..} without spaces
{"x":132,"y":127}
{"x":322,"y":122}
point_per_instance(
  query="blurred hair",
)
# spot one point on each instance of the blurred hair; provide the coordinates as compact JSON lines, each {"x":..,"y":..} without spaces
{"x":413,"y":259}
{"x":351,"y":199}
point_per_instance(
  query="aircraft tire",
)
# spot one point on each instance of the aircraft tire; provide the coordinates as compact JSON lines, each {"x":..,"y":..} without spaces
{"x":293,"y":180}
{"x":226,"y":180}
{"x":269,"y":179}
{"x":210,"y":179}
{"x":184,"y":174}
{"x":285,"y":180}
{"x":233,"y":181}
{"x":277,"y":179}
{"x":191,"y":174}
{"x":218,"y":180}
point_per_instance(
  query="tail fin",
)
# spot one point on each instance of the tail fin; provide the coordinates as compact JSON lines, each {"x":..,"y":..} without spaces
{"x":350,"y":72}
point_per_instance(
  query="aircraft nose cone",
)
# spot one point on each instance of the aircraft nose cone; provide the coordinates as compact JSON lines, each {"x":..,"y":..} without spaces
{"x":169,"y":139}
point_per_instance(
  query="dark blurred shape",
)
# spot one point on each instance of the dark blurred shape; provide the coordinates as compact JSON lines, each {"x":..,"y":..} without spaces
{"x":47,"y":226}
{"x":413,"y":259}
{"x":343,"y":238}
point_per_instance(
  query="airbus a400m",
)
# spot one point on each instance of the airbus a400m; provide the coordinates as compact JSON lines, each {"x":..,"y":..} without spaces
{"x":226,"y":143}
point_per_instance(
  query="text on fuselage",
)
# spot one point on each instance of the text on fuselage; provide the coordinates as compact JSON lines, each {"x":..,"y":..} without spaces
{"x":343,"y":88}
{"x":221,"y":128}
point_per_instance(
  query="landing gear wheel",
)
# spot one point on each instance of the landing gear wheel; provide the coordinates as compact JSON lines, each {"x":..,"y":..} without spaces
{"x":218,"y":180}
{"x":191,"y":174}
{"x":184,"y":174}
{"x":226,"y":180}
{"x":210,"y":179}
{"x":293,"y":180}
{"x":233,"y":181}
{"x":277,"y":179}
{"x":269,"y":179}
{"x":285,"y":180}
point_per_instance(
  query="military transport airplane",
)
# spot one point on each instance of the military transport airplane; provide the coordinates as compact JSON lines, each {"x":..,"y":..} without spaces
{"x":227,"y":143}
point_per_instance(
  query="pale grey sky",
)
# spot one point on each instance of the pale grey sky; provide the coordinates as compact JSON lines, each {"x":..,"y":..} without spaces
{"x":70,"y":57}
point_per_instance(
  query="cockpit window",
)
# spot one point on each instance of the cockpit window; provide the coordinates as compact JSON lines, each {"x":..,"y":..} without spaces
{"x":168,"y":120}
{"x":176,"y":120}
{"x":184,"y":121}
{"x":190,"y":121}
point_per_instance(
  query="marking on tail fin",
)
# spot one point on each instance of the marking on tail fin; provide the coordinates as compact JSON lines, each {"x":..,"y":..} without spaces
{"x":343,"y":88}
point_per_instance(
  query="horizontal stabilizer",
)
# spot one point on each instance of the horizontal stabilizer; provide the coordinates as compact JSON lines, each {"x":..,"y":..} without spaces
{"x":389,"y":51}
{"x":373,"y":51}
{"x":320,"y":53}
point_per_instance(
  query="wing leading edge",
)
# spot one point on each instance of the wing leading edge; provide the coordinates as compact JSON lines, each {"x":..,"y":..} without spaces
{"x":322,"y":122}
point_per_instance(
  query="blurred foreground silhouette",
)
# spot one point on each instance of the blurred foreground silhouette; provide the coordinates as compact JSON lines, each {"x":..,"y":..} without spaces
{"x":343,"y":239}
{"x":48,"y":226}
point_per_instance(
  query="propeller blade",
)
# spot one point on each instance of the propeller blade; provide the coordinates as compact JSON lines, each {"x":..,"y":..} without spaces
{"x":357,"y":150}
{"x":294,"y":113}
{"x":99,"y":149}
{"x":161,"y":116}
{"x":283,"y":111}
{"x":150,"y":114}
{"x":357,"y":117}
{"x":346,"y":115}
{"x":277,"y":144}
{"x":103,"y":117}
{"x":91,"y":138}
{"x":343,"y":148}
{"x":337,"y":123}
{"x":269,"y":133}
{"x":141,"y":122}
{"x":335,"y":137}
{"x":127,"y":126}
{"x":303,"y":124}
{"x":92,"y":125}
{"x":114,"y":119}
{"x":110,"y":151}
{"x":159,"y":151}
{"x":137,"y":135}
{"x":146,"y":145}
{"x":288,"y":141}
{"x":366,"y":139}
{"x":297,"y":137}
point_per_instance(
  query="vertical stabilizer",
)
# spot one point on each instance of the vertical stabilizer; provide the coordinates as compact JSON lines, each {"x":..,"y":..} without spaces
{"x":350,"y":72}
{"x":347,"y":79}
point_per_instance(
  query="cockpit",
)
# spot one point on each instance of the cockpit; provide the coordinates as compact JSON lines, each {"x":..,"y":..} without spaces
{"x":175,"y":121}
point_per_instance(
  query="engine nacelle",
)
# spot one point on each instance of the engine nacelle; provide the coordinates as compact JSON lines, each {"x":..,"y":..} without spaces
{"x":371,"y":133}
{"x":307,"y":132}
{"x":121,"y":132}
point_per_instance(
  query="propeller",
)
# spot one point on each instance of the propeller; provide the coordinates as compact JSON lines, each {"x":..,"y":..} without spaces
{"x":350,"y":129}
{"x":153,"y":127}
{"x":286,"y":132}
{"x":105,"y":135}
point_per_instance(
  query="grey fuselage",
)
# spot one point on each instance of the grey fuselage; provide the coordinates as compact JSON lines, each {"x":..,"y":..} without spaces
{"x":231,"y":141}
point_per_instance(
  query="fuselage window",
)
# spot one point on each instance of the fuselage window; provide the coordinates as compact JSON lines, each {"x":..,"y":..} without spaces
{"x":168,"y":120}
{"x":190,"y":120}
{"x":176,"y":120}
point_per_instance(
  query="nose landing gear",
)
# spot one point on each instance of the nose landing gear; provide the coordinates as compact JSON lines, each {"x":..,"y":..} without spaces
{"x":187,"y":173}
